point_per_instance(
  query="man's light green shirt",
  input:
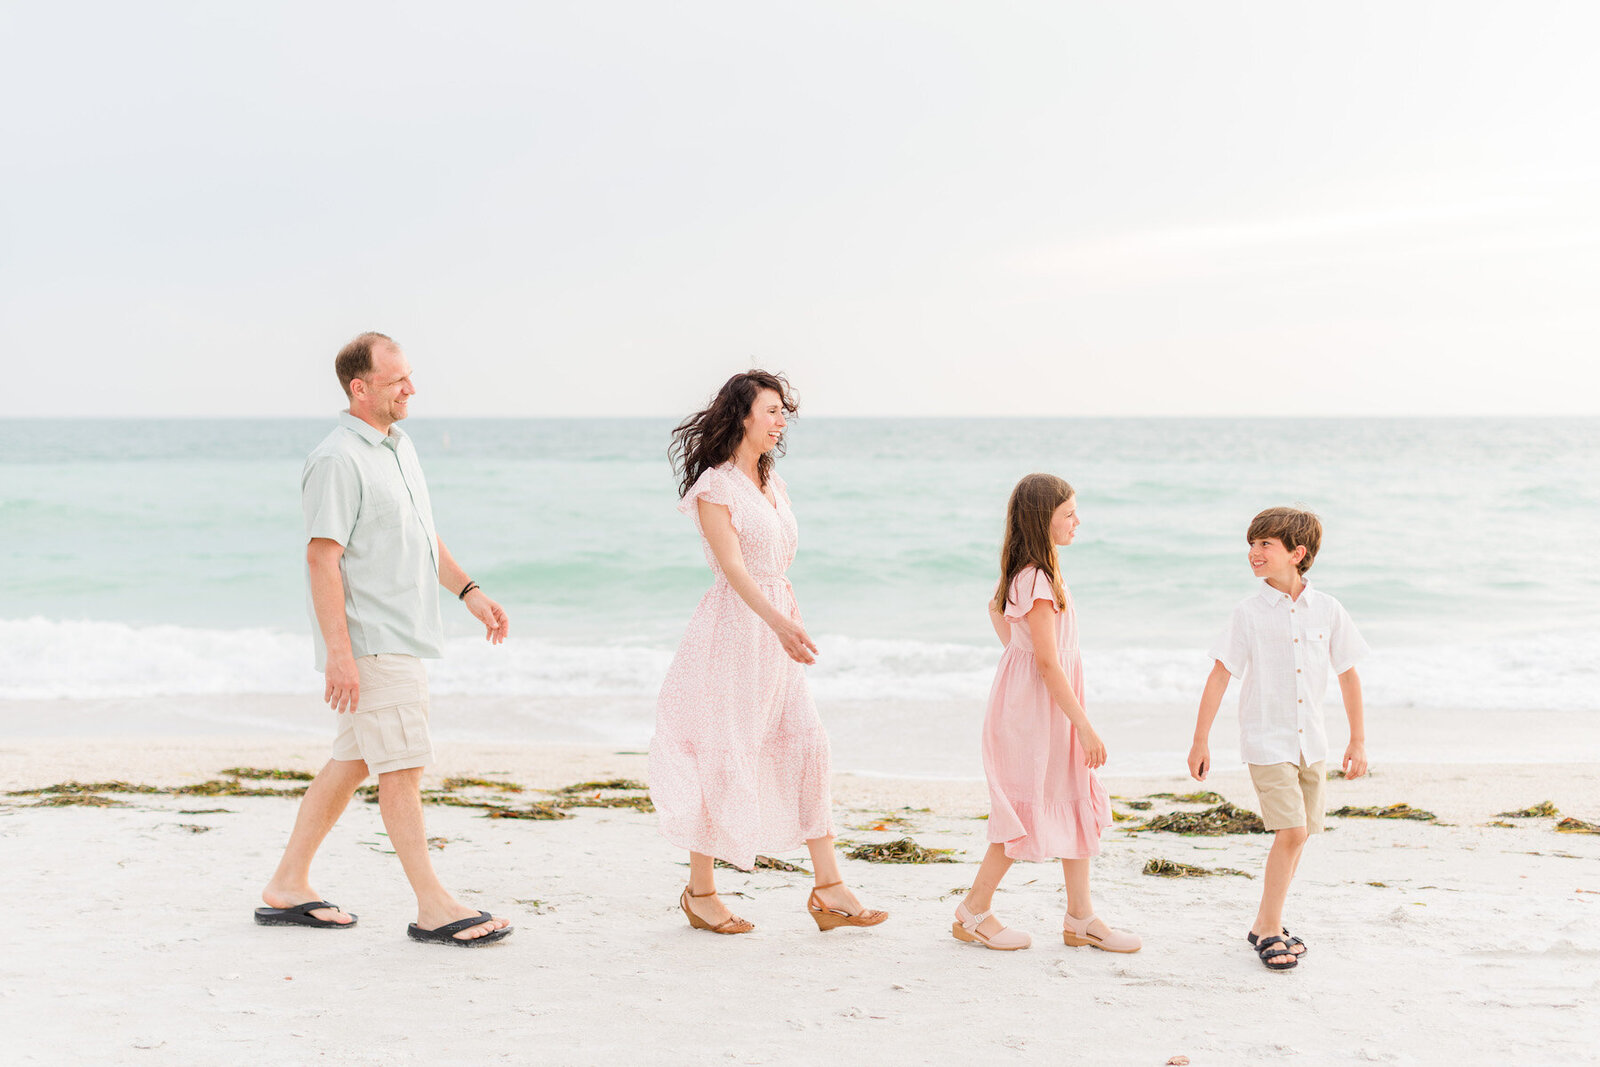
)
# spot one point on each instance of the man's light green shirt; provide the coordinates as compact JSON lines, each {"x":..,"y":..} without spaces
{"x":365,"y":490}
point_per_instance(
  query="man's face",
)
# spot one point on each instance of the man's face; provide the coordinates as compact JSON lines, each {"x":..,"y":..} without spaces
{"x":386,"y":390}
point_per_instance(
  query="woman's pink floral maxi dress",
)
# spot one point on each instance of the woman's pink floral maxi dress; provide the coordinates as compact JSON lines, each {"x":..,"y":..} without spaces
{"x":739,"y":762}
{"x":1044,"y":801}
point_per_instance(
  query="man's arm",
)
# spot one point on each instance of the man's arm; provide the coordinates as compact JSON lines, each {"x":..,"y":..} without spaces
{"x":1210,"y":702}
{"x":343,"y":688}
{"x":1355,"y":754}
{"x":495,"y":623}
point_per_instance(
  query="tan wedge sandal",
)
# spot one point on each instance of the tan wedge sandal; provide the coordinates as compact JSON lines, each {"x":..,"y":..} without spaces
{"x":734,"y":925}
{"x":828,"y":918}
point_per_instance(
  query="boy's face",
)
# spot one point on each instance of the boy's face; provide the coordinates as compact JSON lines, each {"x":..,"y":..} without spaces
{"x":1269,"y":559}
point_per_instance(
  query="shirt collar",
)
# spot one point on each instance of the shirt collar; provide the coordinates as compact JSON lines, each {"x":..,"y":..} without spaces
{"x":1272,"y":596}
{"x":370,"y":433}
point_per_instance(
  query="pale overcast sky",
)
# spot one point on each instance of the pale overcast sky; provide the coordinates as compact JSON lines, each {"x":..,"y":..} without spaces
{"x":923,"y":207}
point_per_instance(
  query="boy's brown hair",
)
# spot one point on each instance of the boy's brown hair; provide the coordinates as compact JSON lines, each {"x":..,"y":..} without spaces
{"x":1292,"y":527}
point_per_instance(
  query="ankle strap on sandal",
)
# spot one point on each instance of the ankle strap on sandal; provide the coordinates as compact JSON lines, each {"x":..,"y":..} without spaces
{"x":976,"y":921}
{"x":830,"y":885}
{"x":690,"y":890}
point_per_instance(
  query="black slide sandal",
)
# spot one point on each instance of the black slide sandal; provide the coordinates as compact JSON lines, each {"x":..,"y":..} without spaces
{"x":300,"y":915}
{"x":1265,"y":950}
{"x":445,"y":935}
{"x":1293,"y":941}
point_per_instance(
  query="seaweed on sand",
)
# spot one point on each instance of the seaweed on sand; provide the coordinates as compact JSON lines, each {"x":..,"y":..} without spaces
{"x":1205,"y":796}
{"x":532,"y":811}
{"x":1139,"y":805}
{"x":494,"y":809}
{"x":1542,"y":810}
{"x":766,"y":863}
{"x":259,"y":773}
{"x":1392,"y":811}
{"x":480,"y":783}
{"x":643,"y":803}
{"x":78,"y":800}
{"x":593,"y":787}
{"x":903,"y":850}
{"x":85,"y":787}
{"x":1174,"y":869}
{"x":1225,"y":818}
{"x":1576,"y":826}
{"x":217,"y":787}
{"x":884,"y":822}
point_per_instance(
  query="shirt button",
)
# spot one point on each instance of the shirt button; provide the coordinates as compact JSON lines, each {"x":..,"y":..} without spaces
{"x":1297,"y":670}
{"x":1300,"y":702}
{"x":1297,"y":640}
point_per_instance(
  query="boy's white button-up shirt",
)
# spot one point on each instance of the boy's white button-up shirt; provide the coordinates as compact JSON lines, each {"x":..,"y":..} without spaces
{"x":1283,"y":648}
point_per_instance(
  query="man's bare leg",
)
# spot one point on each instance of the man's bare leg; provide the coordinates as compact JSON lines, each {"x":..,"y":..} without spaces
{"x":400,"y":803}
{"x":326,"y":798}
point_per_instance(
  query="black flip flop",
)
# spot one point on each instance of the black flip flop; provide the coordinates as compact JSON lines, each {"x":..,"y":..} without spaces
{"x":1293,"y":941}
{"x":300,"y":915}
{"x":1265,"y":950}
{"x":446,"y":934}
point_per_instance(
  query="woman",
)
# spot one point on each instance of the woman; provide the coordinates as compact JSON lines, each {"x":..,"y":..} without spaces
{"x":740,"y":761}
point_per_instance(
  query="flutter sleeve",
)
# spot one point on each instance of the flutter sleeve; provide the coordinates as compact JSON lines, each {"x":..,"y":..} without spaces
{"x":714,"y":487}
{"x":1031,"y":584}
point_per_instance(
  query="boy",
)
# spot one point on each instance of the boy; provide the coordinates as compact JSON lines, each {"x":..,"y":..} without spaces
{"x":1283,"y":638}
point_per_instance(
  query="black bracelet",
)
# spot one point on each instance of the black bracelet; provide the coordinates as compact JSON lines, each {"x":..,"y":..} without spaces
{"x":471,"y":585}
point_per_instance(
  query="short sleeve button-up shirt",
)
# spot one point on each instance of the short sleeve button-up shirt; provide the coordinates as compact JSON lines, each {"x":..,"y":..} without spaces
{"x":1284,"y":649}
{"x":364,"y":489}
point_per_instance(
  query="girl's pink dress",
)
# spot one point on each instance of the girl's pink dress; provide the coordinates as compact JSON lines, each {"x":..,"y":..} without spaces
{"x":739,"y":762}
{"x":1044,"y":801}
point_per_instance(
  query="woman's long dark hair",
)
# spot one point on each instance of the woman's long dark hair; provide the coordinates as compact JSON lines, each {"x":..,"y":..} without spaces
{"x":711,"y":436}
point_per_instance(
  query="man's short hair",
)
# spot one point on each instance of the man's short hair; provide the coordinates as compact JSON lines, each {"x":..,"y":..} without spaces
{"x":1292,"y":527}
{"x":355,"y":359}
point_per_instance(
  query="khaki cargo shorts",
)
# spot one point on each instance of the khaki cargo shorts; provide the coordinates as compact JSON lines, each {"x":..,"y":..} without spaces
{"x":389,"y":728}
{"x":1290,"y":795}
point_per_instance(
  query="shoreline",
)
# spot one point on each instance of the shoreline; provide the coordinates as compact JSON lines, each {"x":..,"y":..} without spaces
{"x":1467,"y":789}
{"x":909,"y":739}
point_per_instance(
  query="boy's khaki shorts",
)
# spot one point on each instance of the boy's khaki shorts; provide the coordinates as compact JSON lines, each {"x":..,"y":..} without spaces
{"x":389,"y":728}
{"x":1290,"y":794}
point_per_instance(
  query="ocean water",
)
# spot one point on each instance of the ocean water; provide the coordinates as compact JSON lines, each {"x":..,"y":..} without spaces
{"x":151,"y":558}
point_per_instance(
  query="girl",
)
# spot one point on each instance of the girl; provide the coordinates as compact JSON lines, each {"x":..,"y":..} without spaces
{"x":1039,"y":751}
{"x":740,"y":760}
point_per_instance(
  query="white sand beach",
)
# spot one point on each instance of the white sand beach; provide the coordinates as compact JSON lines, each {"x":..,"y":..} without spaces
{"x":132,"y":941}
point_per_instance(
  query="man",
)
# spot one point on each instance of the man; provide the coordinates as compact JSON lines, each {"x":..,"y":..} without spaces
{"x":375,"y":565}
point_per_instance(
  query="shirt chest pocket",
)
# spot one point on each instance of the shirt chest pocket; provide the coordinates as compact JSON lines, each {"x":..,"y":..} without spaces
{"x":383,"y":510}
{"x":1317,"y":642}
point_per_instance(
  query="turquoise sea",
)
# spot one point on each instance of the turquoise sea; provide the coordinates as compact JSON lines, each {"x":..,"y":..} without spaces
{"x":148,"y":558}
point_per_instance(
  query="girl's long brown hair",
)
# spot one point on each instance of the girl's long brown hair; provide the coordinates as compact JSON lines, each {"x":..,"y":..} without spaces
{"x":1028,"y":513}
{"x":711,"y":436}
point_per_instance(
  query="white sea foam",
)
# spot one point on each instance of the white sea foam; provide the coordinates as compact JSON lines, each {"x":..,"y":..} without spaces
{"x":46,"y":659}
